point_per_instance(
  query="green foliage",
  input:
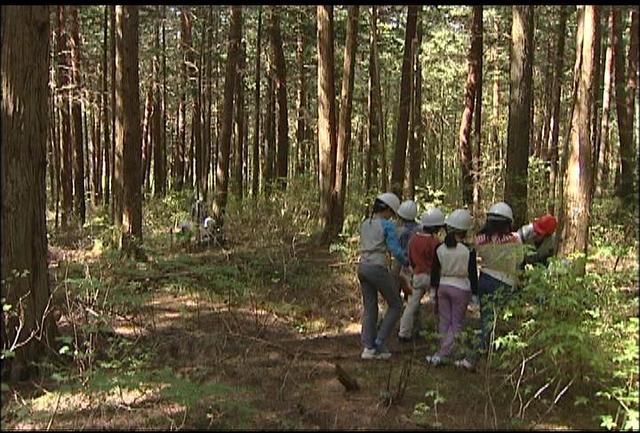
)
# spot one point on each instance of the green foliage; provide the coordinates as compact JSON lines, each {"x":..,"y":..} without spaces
{"x":573,"y":329}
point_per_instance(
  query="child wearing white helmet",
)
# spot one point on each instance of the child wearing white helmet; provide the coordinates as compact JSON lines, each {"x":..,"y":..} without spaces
{"x":407,"y":226}
{"x":501,"y":252}
{"x":377,"y":238}
{"x":454,"y":276}
{"x":421,"y":252}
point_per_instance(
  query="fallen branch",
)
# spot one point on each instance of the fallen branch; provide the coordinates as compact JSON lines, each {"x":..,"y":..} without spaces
{"x":350,"y":383}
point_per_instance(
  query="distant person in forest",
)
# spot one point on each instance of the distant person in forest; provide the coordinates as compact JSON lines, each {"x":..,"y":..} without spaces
{"x":541,"y":236}
{"x":421,"y":253}
{"x":407,"y":226}
{"x":454,"y":277}
{"x":378,"y":237}
{"x":500,"y":252}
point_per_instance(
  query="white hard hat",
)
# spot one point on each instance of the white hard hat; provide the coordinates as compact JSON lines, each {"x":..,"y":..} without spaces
{"x":390,"y":199}
{"x":432,"y":218}
{"x":500,"y":210}
{"x":408,"y":210}
{"x":459,"y":219}
{"x":208,"y":222}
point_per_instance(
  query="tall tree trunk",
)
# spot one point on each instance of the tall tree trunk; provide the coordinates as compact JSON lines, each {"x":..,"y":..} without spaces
{"x":157,"y":139}
{"x":76,"y":113}
{"x":240,"y":125}
{"x":625,"y":95}
{"x":597,"y":102}
{"x":603,"y":164}
{"x":577,"y":197}
{"x":373,"y":106}
{"x":466,"y":153}
{"x":555,"y":98}
{"x":406,"y":88}
{"x":281,"y":92}
{"x":25,"y":29}
{"x":206,"y":136}
{"x":145,"y":136}
{"x":270,"y":139}
{"x":344,"y":125}
{"x":255,"y":179}
{"x":116,"y":186}
{"x":64,"y":82}
{"x":515,"y":188}
{"x":164,"y":100}
{"x":128,"y":134}
{"x":477,"y":127}
{"x":106,"y":118}
{"x":327,"y":140}
{"x":415,"y":133}
{"x":302,"y":96}
{"x":222,"y":172}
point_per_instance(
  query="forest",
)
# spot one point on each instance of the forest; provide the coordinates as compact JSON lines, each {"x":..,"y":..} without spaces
{"x":185,"y":191}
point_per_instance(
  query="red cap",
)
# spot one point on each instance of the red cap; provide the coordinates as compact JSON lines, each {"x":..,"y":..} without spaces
{"x":545,"y":225}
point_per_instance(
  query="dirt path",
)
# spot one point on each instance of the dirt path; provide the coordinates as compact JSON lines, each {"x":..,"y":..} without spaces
{"x":267,"y":359}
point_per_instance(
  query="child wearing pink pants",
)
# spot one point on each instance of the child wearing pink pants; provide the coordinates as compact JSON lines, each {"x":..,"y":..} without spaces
{"x":454,"y":275}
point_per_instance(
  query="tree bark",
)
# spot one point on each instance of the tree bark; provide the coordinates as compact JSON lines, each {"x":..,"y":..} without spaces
{"x":466,"y":153}
{"x":255,"y":179}
{"x":105,"y":113}
{"x":240,"y":125}
{"x":23,"y":269}
{"x":76,"y":113}
{"x":302,"y":97}
{"x":64,"y":83}
{"x":406,"y":88}
{"x":625,"y":95}
{"x":477,"y":127}
{"x":327,"y":140}
{"x":515,"y":189}
{"x":555,"y":97}
{"x":602,"y":174}
{"x":222,"y":171}
{"x":128,"y":134}
{"x":577,"y":197}
{"x":281,"y":92}
{"x":374,"y":105}
{"x":116,"y":186}
{"x":159,"y":168}
{"x":415,"y":134}
{"x":344,"y":125}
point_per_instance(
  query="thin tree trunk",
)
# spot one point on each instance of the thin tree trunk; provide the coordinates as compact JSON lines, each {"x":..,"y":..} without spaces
{"x":555,"y":97}
{"x":406,"y":88}
{"x":302,"y":97}
{"x":515,"y":189}
{"x":157,"y":139}
{"x":327,"y":140}
{"x":415,"y":133}
{"x":577,"y":200}
{"x":281,"y":92}
{"x":116,"y":186}
{"x":240,"y":125}
{"x":344,"y":125}
{"x":222,"y":173}
{"x":597,"y":102}
{"x":373,"y":106}
{"x":603,"y":164}
{"x":466,"y":153}
{"x":64,"y":83}
{"x":477,"y":127}
{"x":105,"y":113}
{"x":625,"y":96}
{"x":255,"y":185}
{"x":76,"y":113}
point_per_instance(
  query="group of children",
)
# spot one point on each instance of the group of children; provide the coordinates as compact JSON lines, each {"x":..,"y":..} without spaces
{"x":447,"y":268}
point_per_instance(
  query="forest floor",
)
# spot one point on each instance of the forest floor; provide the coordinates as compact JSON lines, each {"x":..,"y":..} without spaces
{"x":246,"y":336}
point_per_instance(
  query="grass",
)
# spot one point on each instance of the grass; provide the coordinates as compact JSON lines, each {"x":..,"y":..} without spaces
{"x":246,"y":336}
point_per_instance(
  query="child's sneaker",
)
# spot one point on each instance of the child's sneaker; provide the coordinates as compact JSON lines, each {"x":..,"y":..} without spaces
{"x":434,"y":360}
{"x":464,"y":363}
{"x":375,"y":354}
